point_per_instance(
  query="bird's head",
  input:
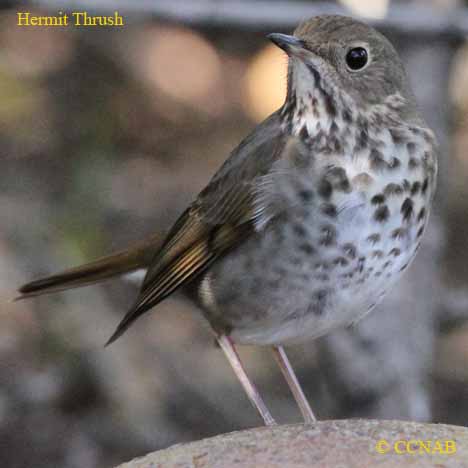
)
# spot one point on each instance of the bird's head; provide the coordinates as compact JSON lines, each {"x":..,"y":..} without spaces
{"x":337,"y":58}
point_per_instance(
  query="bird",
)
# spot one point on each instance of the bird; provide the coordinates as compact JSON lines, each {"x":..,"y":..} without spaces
{"x":310,"y":221}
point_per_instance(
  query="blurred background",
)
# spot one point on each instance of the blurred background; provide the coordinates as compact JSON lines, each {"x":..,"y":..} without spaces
{"x":106,"y":134}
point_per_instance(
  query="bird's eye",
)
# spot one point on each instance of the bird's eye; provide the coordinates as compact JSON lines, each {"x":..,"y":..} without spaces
{"x":357,"y":58}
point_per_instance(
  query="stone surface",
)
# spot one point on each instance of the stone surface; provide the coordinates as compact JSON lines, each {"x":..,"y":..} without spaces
{"x":351,"y":443}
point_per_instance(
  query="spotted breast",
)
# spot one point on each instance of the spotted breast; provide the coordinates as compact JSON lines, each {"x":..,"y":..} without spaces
{"x":353,"y":192}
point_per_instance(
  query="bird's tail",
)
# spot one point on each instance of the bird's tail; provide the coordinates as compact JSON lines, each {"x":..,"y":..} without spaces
{"x":126,"y":261}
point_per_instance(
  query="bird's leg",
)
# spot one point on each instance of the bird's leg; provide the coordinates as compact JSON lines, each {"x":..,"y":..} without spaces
{"x":230,"y":351}
{"x":293,"y":383}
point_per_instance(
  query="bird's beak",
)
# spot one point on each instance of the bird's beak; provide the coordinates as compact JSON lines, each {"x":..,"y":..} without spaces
{"x":290,"y":44}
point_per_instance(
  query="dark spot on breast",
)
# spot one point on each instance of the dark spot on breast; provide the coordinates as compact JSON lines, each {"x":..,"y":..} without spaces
{"x":350,"y":250}
{"x":325,"y":189}
{"x":415,"y":188}
{"x":411,"y":147}
{"x":338,"y":179}
{"x":420,"y":232}
{"x":378,"y":199}
{"x":322,"y":277}
{"x":394,"y":163}
{"x":314,"y":101}
{"x":304,"y":133}
{"x":387,"y":264}
{"x":319,"y":300}
{"x":407,"y":209}
{"x":330,"y":105}
{"x":398,"y":233}
{"x":381,"y":214}
{"x":362,"y":139}
{"x":362,"y":122}
{"x":348,"y":275}
{"x":361,"y":262}
{"x":377,"y":254}
{"x":373,"y":238}
{"x":378,"y":274}
{"x":307,"y":248}
{"x":395,"y":252}
{"x":393,"y":189}
{"x":337,"y":147}
{"x":424,"y":186}
{"x":333,"y":127}
{"x":328,"y":236}
{"x":376,"y":159}
{"x":397,"y":136}
{"x":406,"y":185}
{"x":328,"y":209}
{"x":321,"y":266}
{"x":422,"y":214}
{"x":300,"y":230}
{"x":340,"y":261}
{"x":306,"y":195}
{"x":413,"y":163}
{"x":346,"y":115}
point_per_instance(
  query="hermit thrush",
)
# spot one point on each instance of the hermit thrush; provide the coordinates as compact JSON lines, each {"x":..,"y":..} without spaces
{"x":311,"y":219}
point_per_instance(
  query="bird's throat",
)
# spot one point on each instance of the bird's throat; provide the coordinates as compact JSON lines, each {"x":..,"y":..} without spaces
{"x":309,"y":111}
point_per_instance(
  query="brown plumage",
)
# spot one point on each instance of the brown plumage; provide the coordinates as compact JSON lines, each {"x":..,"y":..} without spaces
{"x":131,"y":259}
{"x":312,"y":217}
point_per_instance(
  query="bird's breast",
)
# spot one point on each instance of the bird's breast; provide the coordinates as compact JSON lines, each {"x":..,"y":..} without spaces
{"x":346,"y":226}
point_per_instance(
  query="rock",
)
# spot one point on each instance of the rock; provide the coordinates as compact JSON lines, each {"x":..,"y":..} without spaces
{"x":350,"y":443}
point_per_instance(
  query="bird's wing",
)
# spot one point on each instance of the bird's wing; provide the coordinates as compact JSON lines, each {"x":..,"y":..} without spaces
{"x":224,"y":214}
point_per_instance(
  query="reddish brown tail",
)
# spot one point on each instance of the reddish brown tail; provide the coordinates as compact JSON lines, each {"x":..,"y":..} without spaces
{"x":134,"y":258}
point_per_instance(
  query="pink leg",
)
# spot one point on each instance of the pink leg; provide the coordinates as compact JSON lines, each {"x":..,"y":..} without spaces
{"x":230,"y":351}
{"x":293,"y":383}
